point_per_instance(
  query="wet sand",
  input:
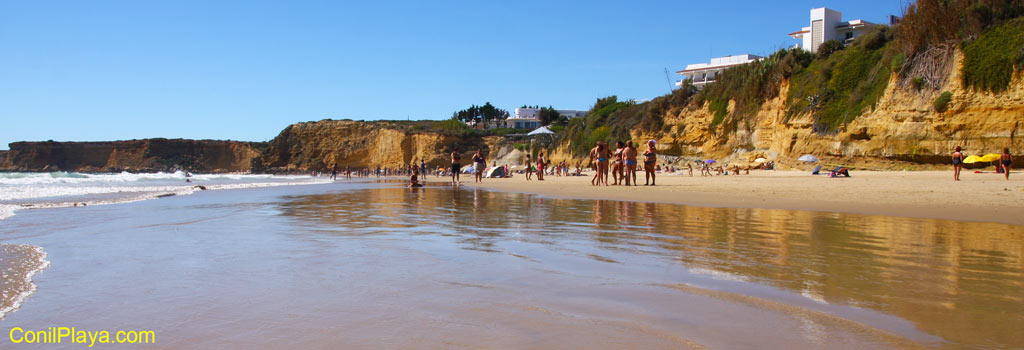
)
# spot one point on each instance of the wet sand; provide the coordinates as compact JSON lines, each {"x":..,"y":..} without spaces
{"x":985,"y":197}
{"x":361,"y":266}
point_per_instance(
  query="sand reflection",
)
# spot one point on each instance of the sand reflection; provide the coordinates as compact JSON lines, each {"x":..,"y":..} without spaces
{"x":961,"y":281}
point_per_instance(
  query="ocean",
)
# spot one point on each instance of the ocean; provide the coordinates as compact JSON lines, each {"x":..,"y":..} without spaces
{"x":372,"y":264}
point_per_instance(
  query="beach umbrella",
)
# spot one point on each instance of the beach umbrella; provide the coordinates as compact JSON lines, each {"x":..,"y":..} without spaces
{"x":709,"y":161}
{"x":991,"y":157}
{"x":973,"y":159}
{"x":760,"y":160}
{"x":540,"y":130}
{"x":808,"y":158}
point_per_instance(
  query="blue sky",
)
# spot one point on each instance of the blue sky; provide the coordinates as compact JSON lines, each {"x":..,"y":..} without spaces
{"x":243,"y":70}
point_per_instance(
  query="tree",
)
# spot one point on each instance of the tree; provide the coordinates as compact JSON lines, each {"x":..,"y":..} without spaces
{"x":548,"y":115}
{"x":484,"y":113}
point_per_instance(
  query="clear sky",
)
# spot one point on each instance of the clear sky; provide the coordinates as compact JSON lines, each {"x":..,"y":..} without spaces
{"x":243,"y":70}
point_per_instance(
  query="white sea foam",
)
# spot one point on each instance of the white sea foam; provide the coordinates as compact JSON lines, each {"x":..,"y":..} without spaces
{"x":63,"y":189}
{"x":20,"y":263}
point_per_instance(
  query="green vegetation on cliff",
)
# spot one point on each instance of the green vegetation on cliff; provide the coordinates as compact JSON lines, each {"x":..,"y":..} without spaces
{"x":612,"y":120}
{"x":990,"y":61}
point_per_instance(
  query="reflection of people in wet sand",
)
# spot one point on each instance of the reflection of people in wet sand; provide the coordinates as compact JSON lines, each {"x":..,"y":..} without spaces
{"x":456,"y":165}
{"x":650,"y":160}
{"x":414,"y":180}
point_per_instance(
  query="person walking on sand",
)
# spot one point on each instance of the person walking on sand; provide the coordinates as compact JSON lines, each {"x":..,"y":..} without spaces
{"x":456,"y":166}
{"x":479,"y":163}
{"x":1007,"y":161}
{"x":689,"y":169}
{"x":423,"y":168}
{"x":958,"y":161}
{"x":650,"y":160}
{"x":529,"y":167}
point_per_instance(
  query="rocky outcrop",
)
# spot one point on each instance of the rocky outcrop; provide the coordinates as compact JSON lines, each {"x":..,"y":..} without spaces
{"x":132,"y":155}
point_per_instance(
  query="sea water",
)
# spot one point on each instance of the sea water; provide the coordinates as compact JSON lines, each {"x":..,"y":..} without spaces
{"x":19,"y":191}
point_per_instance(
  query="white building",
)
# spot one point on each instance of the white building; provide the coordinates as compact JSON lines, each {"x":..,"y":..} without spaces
{"x":827,"y":24}
{"x":706,"y":73}
{"x":529,"y":118}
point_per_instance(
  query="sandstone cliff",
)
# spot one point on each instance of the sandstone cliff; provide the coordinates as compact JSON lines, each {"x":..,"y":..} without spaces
{"x":132,"y":155}
{"x":324,"y":144}
{"x":903,"y":130}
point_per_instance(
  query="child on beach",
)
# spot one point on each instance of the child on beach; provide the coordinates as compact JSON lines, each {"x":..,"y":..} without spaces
{"x":414,"y":180}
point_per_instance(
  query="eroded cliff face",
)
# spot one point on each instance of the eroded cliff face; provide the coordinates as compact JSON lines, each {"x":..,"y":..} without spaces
{"x":133,"y":155}
{"x":324,"y":144}
{"x":903,"y":130}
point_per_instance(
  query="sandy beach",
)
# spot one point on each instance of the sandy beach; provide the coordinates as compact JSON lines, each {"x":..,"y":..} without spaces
{"x":984,"y":197}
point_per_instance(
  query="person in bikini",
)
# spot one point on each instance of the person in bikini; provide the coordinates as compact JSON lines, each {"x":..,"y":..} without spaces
{"x":456,"y":166}
{"x":617,"y":163}
{"x":629,"y":154}
{"x":958,"y":161}
{"x":650,"y":160}
{"x":1007,"y":161}
{"x":540,"y":166}
{"x":529,"y":167}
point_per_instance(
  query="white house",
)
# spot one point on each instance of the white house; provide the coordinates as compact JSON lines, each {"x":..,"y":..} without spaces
{"x":706,"y":73}
{"x":529,"y":118}
{"x":524,"y":118}
{"x":827,"y":24}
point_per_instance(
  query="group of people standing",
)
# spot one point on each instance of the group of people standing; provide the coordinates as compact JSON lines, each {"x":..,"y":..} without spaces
{"x":623,"y":163}
{"x":1005,"y":163}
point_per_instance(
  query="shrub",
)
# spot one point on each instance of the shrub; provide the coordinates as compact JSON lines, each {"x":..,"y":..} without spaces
{"x":828,"y":48}
{"x":599,"y":134}
{"x":452,"y":125}
{"x":719,"y":107}
{"x":897,"y":62}
{"x":942,"y":102}
{"x":918,"y":83}
{"x":989,"y":61}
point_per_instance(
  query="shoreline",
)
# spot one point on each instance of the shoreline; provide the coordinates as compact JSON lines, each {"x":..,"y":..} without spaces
{"x":918,"y":194}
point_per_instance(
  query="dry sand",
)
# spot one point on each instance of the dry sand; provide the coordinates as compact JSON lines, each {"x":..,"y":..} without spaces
{"x":984,"y":197}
